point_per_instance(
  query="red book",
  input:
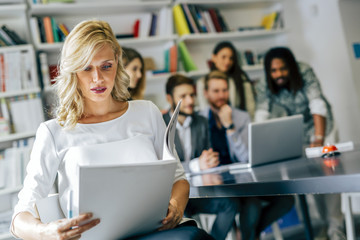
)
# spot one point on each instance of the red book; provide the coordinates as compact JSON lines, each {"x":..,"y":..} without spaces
{"x":54,"y":72}
{"x":136,"y":28}
{"x":2,"y":77}
{"x":215,"y":19}
{"x":173,"y":58}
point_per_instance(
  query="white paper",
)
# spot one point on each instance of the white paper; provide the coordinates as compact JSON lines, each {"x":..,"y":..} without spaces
{"x":169,"y":145}
{"x":317,"y":151}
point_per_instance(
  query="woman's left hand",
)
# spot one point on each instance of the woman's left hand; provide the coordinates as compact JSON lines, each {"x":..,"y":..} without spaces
{"x":173,"y":217}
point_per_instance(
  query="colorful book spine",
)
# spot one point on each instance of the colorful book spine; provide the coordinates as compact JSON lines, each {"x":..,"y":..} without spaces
{"x":48,"y":29}
{"x":215,"y":19}
{"x":180,"y":21}
{"x":188,"y":62}
{"x":173,"y":58}
{"x":54,"y":30}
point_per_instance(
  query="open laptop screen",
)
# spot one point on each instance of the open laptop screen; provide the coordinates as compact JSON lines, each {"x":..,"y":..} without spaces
{"x":275,"y":139}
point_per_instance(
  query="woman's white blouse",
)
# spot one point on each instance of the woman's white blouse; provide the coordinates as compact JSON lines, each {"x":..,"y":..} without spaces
{"x":59,"y":151}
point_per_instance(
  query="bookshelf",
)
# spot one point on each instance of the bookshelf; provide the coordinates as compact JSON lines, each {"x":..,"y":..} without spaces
{"x":239,"y":15}
{"x":19,"y":85}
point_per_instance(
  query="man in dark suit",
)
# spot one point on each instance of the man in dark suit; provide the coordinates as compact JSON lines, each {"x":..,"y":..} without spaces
{"x":192,"y":146}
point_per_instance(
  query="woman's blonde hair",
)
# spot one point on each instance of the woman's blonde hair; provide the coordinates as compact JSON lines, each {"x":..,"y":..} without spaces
{"x":80,"y":47}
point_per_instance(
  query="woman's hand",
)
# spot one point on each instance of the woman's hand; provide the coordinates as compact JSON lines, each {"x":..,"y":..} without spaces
{"x":65,"y":229}
{"x":173,"y":217}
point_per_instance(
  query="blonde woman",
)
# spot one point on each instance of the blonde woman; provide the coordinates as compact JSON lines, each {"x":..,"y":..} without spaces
{"x":93,"y":109}
{"x":134,"y":67}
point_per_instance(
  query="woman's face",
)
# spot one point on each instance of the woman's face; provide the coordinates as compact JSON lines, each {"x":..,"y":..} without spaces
{"x":97,"y":80}
{"x":223,"y":60}
{"x":133,"y":69}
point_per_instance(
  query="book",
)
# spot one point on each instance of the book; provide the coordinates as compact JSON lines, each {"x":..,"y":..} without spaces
{"x":44,"y":67}
{"x":208,"y":22}
{"x":64,"y":29}
{"x":190,"y":19}
{"x":269,"y":20}
{"x":54,"y":30}
{"x":164,"y":22}
{"x":6,"y":38}
{"x":41,"y":29}
{"x":194,"y":16}
{"x":144,"y":28}
{"x":136,"y":28}
{"x":180,"y":21}
{"x":187,"y":19}
{"x":186,"y":59}
{"x":48,"y":29}
{"x":200,"y":19}
{"x":223,"y":24}
{"x":13,"y":35}
{"x":173,"y":58}
{"x":153,"y":25}
{"x":215,"y":20}
{"x":34,"y":26}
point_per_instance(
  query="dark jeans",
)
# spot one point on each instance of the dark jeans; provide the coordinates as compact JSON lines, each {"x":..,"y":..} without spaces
{"x":224,"y":208}
{"x":186,"y":231}
{"x":256,"y":213}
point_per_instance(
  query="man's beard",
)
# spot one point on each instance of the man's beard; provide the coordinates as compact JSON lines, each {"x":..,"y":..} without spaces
{"x":284,"y":83}
{"x":217,"y":106}
{"x":180,"y":112}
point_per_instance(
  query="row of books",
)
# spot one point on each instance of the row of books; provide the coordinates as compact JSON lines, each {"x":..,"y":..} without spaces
{"x":190,"y":18}
{"x":152,"y":24}
{"x":273,"y":20}
{"x":13,"y":162}
{"x":47,"y":30}
{"x":21,"y":114}
{"x":177,"y":58}
{"x":16,"y":71}
{"x":9,"y":37}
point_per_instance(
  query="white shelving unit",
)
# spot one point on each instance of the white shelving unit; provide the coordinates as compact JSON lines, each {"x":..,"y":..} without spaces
{"x":13,"y":14}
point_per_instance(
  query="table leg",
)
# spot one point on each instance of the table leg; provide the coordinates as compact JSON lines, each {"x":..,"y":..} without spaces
{"x":306,"y":217}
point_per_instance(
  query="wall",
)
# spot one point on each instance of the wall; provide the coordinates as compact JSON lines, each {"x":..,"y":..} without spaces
{"x":316,"y":35}
{"x":349,"y":11}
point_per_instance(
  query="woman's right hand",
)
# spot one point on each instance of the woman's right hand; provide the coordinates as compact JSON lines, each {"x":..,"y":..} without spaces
{"x":65,"y":229}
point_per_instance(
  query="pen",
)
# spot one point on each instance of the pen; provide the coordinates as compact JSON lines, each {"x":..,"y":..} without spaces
{"x":70,"y":204}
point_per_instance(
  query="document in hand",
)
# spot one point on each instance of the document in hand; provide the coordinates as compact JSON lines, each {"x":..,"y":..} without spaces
{"x":130,"y":199}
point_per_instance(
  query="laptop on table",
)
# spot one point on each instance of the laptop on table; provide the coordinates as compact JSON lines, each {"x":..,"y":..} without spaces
{"x":274,"y":140}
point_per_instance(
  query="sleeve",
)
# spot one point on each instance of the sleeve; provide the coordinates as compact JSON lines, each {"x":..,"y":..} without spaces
{"x":194,"y":165}
{"x":313,"y":92}
{"x":262,"y":111}
{"x":238,"y":140}
{"x":159,"y":132}
{"x":41,"y":172}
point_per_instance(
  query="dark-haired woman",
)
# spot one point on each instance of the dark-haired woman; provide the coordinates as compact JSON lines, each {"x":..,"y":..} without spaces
{"x":134,"y":67}
{"x":225,"y":59}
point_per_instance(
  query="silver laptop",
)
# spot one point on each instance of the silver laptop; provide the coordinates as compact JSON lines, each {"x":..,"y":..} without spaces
{"x":274,"y":140}
{"x":129,"y":199}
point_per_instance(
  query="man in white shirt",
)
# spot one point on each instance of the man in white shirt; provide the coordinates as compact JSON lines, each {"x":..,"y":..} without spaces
{"x":192,"y":146}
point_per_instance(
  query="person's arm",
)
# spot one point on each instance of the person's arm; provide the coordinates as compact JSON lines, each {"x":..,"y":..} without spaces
{"x":27,"y":227}
{"x":262,"y":109}
{"x":317,"y":105}
{"x":319,"y":136}
{"x":41,"y":173}
{"x":178,"y":200}
{"x":238,"y":137}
